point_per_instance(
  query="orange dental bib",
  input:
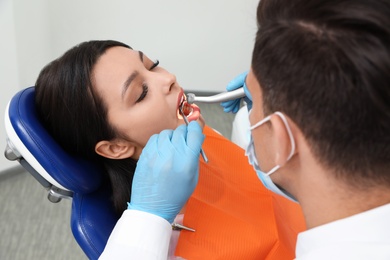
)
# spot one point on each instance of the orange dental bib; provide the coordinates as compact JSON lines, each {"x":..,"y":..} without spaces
{"x":234,"y":215}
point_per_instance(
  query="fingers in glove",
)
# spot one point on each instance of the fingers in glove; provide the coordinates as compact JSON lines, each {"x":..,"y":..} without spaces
{"x":164,"y":143}
{"x":237,"y":82}
{"x":179,"y":138}
{"x":195,"y":137}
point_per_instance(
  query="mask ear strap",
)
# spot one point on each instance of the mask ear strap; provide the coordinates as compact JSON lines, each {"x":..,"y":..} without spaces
{"x":260,"y":122}
{"x":272,"y":170}
{"x":289,"y":134}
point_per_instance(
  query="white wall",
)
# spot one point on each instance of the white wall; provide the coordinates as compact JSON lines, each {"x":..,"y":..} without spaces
{"x":9,"y":80}
{"x":204,"y":42}
{"x":23,"y":51}
{"x":32,"y":39}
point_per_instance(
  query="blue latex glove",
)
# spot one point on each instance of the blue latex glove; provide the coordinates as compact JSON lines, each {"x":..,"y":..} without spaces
{"x":167,"y":171}
{"x":234,"y":105}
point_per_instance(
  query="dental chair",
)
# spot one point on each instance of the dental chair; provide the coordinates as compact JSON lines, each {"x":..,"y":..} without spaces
{"x":64,"y":176}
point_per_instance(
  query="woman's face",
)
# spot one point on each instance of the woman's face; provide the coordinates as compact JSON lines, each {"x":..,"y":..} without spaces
{"x":142,"y":99}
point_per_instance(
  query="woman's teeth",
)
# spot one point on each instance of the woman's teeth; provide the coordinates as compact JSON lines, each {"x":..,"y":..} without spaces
{"x":186,"y":108}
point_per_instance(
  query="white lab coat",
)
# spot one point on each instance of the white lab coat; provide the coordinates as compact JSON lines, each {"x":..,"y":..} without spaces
{"x":362,"y":236}
{"x":138,"y":235}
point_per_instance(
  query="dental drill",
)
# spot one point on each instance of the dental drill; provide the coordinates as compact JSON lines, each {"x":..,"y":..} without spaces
{"x":221,"y":97}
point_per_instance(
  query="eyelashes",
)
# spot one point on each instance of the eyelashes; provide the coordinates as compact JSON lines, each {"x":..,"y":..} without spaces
{"x":155,"y":64}
{"x":143,"y":94}
{"x":145,"y":87}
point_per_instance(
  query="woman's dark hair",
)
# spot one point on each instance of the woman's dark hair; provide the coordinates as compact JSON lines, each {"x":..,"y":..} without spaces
{"x":326,"y":64}
{"x":76,"y":116}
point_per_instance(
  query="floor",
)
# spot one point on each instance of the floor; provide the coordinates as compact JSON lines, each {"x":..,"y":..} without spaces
{"x":32,"y":228}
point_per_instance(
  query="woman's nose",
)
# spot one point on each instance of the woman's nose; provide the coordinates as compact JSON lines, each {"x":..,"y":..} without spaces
{"x":168,"y":80}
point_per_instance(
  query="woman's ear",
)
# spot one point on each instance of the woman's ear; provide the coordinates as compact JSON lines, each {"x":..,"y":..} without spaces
{"x":283,"y":143}
{"x":115,"y":149}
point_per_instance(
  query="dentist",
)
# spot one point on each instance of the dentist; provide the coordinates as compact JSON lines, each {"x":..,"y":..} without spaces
{"x":320,"y":122}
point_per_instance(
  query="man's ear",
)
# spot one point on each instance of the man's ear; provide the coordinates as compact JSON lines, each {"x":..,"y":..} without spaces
{"x":115,"y":149}
{"x":283,"y":144}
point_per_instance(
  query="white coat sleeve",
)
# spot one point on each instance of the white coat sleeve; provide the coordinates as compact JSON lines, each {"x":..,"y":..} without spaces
{"x":138,"y":235}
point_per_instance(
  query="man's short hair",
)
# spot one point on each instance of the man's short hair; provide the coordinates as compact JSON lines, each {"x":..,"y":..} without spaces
{"x":326,"y":64}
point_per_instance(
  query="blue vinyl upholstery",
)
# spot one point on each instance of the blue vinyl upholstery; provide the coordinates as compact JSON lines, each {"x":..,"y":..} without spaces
{"x":92,"y":213}
{"x":92,"y":220}
{"x":73,"y":173}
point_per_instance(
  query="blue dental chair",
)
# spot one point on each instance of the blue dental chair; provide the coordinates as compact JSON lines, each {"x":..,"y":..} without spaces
{"x":64,"y":176}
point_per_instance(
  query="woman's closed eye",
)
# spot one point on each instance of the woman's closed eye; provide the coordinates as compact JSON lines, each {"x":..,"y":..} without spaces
{"x":145,"y":87}
{"x":143,"y":93}
{"x":155,"y":64}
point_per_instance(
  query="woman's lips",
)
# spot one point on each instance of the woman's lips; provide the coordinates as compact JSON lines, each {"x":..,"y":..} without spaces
{"x":180,"y":98}
{"x":195,"y":114}
{"x":192,"y":115}
{"x":193,"y":110}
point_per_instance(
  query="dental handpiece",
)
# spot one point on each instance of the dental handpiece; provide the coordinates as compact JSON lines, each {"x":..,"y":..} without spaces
{"x":221,"y":97}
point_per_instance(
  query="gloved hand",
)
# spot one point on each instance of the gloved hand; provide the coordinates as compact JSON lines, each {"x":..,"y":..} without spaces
{"x":167,"y":171}
{"x":234,"y":105}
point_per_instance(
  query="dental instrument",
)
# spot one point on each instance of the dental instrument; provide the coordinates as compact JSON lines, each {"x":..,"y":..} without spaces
{"x":179,"y":227}
{"x":186,"y":121}
{"x":221,"y":97}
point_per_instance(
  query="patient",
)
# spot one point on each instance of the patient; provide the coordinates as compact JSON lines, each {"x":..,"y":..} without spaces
{"x":102,"y":100}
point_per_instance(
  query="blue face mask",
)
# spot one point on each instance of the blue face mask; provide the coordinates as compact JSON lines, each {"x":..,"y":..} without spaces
{"x":265,"y":177}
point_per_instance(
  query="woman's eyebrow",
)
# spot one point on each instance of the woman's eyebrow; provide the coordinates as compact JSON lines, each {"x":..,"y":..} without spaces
{"x":141,"y":56}
{"x":127,"y":83}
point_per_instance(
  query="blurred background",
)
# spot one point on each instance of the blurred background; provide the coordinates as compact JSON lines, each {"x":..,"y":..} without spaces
{"x":204,"y":43}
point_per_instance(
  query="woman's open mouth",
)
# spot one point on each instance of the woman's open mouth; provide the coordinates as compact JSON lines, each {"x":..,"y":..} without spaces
{"x":191,"y":111}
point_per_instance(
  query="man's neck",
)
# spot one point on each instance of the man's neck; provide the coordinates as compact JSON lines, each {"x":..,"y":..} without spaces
{"x":329,"y":199}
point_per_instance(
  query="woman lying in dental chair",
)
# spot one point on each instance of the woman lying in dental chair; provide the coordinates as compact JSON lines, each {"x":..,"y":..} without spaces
{"x":102,"y":100}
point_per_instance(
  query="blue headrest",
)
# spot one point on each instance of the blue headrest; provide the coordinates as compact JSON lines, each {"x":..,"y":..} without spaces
{"x":73,"y":173}
{"x":92,"y":220}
